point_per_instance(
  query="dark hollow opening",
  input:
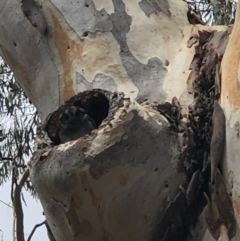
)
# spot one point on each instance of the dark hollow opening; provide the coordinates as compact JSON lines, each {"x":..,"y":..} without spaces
{"x":96,"y":106}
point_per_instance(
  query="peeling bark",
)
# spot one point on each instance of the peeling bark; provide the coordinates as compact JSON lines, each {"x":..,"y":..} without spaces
{"x":106,"y":170}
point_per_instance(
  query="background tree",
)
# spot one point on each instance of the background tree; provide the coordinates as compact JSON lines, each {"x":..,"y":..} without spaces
{"x":214,"y":12}
{"x":18,"y":126}
{"x":88,"y":58}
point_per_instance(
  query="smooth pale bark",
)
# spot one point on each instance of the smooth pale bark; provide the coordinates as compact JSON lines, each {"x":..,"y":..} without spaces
{"x":123,"y":41}
{"x":117,"y":182}
{"x":231,"y":103}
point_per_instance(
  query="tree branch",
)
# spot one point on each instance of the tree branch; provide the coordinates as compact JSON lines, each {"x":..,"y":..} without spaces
{"x":17,"y":205}
{"x":34,"y":229}
{"x":5,"y":204}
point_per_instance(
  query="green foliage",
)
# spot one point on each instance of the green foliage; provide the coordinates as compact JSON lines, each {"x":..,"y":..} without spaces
{"x":18,"y":120}
{"x":214,"y":12}
{"x":223,"y":12}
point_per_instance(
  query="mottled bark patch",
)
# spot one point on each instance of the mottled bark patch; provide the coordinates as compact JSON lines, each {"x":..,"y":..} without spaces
{"x":121,"y":24}
{"x":91,"y":20}
{"x":155,"y":6}
{"x":100,"y":81}
{"x":33,"y":12}
{"x":147,"y":77}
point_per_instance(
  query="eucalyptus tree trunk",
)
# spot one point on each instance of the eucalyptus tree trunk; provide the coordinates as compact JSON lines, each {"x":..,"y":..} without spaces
{"x":148,"y":79}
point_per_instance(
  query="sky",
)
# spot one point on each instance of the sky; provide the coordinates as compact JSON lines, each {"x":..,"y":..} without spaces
{"x":32,"y":216}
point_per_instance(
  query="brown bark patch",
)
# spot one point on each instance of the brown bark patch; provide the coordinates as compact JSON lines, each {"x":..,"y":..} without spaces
{"x":68,"y":50}
{"x":98,"y":202}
